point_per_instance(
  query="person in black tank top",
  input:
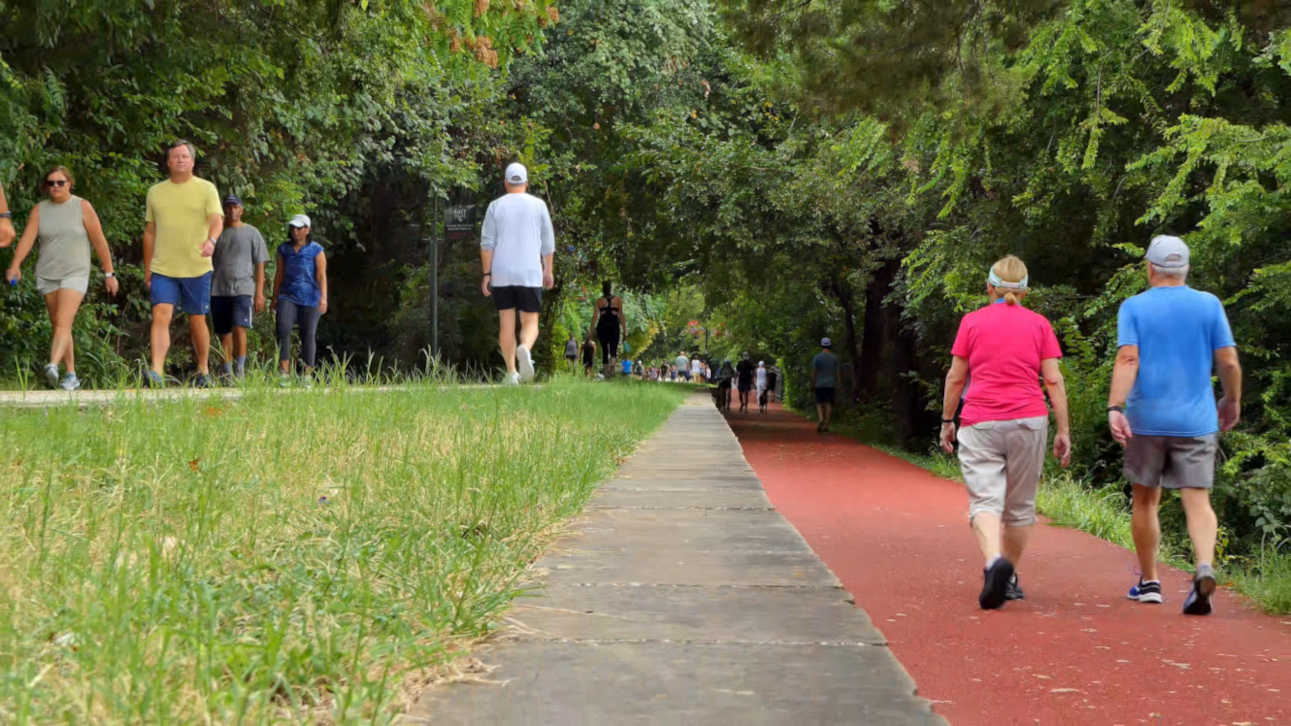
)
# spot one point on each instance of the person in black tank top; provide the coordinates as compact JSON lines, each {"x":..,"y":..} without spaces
{"x":609,"y":324}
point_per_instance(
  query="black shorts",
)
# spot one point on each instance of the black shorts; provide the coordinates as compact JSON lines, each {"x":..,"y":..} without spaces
{"x":228,"y":311}
{"x":824,"y":395}
{"x":746,"y":386}
{"x":512,"y":297}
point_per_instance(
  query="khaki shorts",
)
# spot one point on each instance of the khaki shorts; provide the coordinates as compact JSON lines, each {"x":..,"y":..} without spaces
{"x":79,"y":283}
{"x":1173,"y":462}
{"x":1002,"y":461}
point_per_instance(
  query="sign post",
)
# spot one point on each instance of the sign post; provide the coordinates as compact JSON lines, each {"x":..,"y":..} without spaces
{"x":459,"y":223}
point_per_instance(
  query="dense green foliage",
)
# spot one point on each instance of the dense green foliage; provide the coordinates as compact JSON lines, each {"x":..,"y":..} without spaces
{"x":1105,"y":122}
{"x":783,"y":170}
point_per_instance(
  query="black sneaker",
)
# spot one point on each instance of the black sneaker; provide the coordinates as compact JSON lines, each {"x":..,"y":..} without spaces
{"x":152,"y":380}
{"x":1014,"y":591}
{"x":1203,"y":586}
{"x":1146,"y":592}
{"x":996,"y":584}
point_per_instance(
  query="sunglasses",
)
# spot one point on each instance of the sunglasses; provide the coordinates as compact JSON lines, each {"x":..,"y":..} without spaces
{"x":55,"y":182}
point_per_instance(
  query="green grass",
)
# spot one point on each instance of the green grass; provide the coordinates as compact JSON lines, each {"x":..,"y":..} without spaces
{"x":1069,"y":503}
{"x":1266,"y":579}
{"x":282,"y":558}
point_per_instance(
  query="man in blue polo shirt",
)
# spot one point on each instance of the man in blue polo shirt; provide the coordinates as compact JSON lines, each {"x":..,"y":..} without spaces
{"x":1162,"y":409}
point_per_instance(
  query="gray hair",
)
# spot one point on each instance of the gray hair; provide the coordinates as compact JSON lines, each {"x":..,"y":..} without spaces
{"x":1171,"y":273}
{"x":192,"y":150}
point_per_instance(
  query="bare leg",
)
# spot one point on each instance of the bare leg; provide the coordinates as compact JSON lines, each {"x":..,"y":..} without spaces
{"x":829,"y":414}
{"x":528,"y":330}
{"x":239,"y":341}
{"x":1146,"y":528}
{"x":226,"y":347}
{"x":986,"y":525}
{"x":64,"y":314}
{"x":1202,"y":524}
{"x":820,"y":415}
{"x":507,"y":337}
{"x":201,"y":341}
{"x":1015,"y":541}
{"x":161,"y":316}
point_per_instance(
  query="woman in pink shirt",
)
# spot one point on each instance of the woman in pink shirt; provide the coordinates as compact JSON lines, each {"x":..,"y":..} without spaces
{"x":1006,"y":350}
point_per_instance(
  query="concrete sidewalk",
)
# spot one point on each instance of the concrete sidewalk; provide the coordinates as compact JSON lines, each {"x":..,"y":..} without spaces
{"x":684,"y":598}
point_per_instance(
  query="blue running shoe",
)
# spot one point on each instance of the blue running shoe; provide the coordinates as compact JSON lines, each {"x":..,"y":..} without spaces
{"x":1149,"y":591}
{"x":1203,"y":586}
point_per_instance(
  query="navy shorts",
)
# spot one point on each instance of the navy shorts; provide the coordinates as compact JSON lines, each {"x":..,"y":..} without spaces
{"x":190,"y":294}
{"x":824,"y":395}
{"x":512,"y":297}
{"x":228,"y":311}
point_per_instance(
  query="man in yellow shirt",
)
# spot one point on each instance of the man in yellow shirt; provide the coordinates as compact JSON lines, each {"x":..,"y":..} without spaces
{"x":183,"y":222}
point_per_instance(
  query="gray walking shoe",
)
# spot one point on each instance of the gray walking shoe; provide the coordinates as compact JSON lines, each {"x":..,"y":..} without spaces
{"x":70,"y":382}
{"x":51,"y":375}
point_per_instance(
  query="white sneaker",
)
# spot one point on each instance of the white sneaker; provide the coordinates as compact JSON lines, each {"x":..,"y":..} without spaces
{"x":524,"y":362}
{"x":51,"y":375}
{"x":70,"y":382}
{"x":511,"y":379}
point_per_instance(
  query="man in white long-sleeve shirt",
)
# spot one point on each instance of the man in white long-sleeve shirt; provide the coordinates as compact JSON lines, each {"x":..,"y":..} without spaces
{"x":517,"y":244}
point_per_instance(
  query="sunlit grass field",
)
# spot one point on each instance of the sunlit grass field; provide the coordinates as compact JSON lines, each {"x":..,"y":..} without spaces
{"x":285,"y":557}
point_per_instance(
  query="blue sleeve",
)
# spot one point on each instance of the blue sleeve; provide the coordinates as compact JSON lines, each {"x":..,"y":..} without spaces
{"x":1221,"y":335}
{"x":1127,"y":332}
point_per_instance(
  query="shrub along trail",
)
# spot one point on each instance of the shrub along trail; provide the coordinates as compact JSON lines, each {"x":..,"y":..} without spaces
{"x":1076,"y":651}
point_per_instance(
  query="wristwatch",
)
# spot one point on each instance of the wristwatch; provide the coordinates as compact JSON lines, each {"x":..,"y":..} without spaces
{"x":109,"y":275}
{"x":1118,"y":409}
{"x":6,"y":215}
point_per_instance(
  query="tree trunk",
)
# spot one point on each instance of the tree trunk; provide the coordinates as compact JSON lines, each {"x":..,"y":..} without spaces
{"x":847,"y":301}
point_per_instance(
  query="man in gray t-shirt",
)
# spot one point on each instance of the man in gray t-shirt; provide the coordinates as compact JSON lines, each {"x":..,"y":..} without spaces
{"x":824,"y":379}
{"x":237,"y":285}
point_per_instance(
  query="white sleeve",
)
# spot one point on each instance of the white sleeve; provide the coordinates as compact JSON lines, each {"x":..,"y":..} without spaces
{"x":548,"y":233}
{"x":489,"y":231}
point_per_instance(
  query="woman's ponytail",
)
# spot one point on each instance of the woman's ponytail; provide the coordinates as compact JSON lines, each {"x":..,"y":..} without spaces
{"x":1009,"y":276}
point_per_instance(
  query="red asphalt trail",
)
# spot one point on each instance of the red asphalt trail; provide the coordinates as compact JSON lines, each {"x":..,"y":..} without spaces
{"x":1075,"y":652}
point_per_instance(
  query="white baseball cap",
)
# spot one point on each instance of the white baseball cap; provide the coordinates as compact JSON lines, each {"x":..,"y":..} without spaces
{"x":300,"y":220}
{"x":517,"y":174}
{"x":1169,"y":252}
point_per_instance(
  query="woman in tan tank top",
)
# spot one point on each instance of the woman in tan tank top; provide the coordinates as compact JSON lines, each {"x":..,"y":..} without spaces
{"x":66,"y":227}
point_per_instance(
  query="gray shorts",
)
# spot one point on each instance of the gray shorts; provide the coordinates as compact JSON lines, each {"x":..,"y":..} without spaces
{"x":1002,"y":461}
{"x":1173,"y":462}
{"x":80,"y":283}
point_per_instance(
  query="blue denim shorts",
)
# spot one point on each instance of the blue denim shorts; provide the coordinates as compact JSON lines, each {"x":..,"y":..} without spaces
{"x":190,"y":294}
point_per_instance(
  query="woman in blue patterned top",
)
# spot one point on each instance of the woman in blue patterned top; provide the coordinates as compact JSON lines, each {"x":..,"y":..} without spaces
{"x":299,"y":292}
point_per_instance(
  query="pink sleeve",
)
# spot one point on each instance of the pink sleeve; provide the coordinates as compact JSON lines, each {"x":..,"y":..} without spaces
{"x":960,"y":348}
{"x":1049,"y":347}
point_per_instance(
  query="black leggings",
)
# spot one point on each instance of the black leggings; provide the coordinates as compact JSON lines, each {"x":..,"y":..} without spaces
{"x":289,"y":316}
{"x":609,"y":349}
